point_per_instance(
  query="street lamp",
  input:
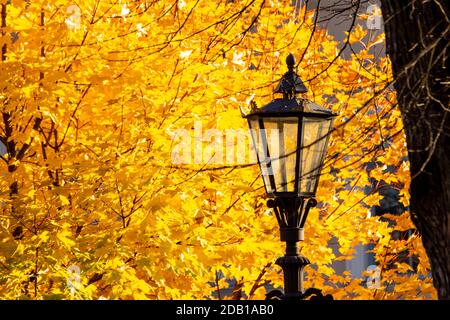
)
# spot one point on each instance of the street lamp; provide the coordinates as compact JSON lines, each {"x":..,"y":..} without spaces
{"x":290,"y":135}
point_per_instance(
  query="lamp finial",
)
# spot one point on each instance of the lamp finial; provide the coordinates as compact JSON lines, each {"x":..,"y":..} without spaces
{"x":290,"y":84}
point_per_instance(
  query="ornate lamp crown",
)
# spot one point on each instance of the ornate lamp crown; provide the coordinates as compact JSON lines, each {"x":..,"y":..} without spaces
{"x":290,"y":84}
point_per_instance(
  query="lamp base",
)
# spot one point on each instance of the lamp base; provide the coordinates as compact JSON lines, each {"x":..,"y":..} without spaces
{"x":309,"y":294}
{"x":293,"y":264}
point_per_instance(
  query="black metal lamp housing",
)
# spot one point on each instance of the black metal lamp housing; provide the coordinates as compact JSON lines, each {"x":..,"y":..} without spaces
{"x":290,"y":135}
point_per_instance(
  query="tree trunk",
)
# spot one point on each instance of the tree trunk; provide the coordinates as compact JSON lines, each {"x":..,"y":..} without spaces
{"x":417,"y":38}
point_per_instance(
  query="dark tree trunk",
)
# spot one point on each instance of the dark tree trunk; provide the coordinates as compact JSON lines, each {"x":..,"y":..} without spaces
{"x":417,"y":38}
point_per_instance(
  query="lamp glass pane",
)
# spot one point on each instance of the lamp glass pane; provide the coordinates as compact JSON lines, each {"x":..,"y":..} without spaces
{"x":314,"y":143}
{"x":260,"y":144}
{"x":282,"y":141}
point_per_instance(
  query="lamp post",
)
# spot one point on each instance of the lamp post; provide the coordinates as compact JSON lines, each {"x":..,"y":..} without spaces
{"x":290,"y":136}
